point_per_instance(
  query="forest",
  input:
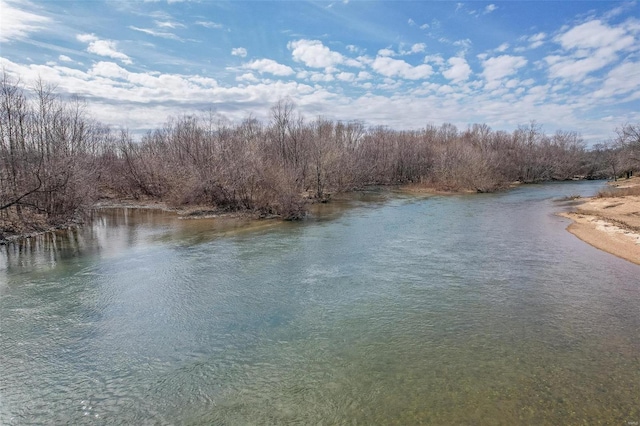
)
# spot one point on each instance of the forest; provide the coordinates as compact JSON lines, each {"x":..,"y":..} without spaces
{"x":56,"y":161}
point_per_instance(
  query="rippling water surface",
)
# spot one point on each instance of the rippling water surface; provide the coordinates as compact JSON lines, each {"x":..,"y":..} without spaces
{"x":380,"y":309}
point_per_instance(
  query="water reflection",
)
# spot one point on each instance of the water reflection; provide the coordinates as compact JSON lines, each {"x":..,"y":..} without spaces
{"x":110,"y":232}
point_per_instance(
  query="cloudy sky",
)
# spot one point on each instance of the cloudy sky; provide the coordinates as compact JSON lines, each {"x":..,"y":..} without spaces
{"x":570,"y":65}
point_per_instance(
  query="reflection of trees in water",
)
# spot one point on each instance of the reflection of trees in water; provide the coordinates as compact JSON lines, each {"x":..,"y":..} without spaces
{"x":44,"y":249}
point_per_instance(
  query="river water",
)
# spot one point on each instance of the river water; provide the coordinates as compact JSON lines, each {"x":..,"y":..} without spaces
{"x":379,"y":309}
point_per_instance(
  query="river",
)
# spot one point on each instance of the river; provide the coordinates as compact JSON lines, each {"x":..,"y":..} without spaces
{"x":379,"y":309}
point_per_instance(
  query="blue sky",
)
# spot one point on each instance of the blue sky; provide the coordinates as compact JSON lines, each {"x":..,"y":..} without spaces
{"x":405,"y":64}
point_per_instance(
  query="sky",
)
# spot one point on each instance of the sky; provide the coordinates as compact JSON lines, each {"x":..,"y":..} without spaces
{"x":568,"y":65}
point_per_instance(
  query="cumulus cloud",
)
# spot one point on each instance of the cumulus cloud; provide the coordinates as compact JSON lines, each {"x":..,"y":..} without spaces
{"x":593,"y":35}
{"x":536,"y":40}
{"x":464,"y":44}
{"x":318,"y":77}
{"x":458,"y":71}
{"x":390,"y":67}
{"x":623,"y":79}
{"x":496,"y":68}
{"x":589,"y":47}
{"x":346,"y":76}
{"x":109,"y":70}
{"x":269,"y":66}
{"x":247,"y":77}
{"x":239,"y":51}
{"x":418,"y":48}
{"x":434,"y":59}
{"x":18,"y":23}
{"x":364,"y":75}
{"x":386,"y":52}
{"x":415,"y":48}
{"x":353,"y":49}
{"x":107,"y":48}
{"x":314,"y":54}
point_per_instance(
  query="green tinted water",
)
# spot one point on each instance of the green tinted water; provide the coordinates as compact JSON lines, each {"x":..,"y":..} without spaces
{"x":379,"y":310}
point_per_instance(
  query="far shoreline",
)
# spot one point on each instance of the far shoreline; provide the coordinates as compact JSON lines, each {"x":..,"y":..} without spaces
{"x":195,"y":212}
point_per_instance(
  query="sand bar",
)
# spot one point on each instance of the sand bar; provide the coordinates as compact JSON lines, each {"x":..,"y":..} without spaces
{"x":611,"y":224}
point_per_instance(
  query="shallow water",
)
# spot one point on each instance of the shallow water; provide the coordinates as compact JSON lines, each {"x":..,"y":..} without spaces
{"x":380,"y":309}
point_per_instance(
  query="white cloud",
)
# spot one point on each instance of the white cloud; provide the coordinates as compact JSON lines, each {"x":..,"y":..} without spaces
{"x":143,"y":100}
{"x":107,"y":48}
{"x":86,"y":38}
{"x":490,"y":8}
{"x":576,"y":69}
{"x":536,"y":40}
{"x":156,"y":33}
{"x":418,"y":47}
{"x":247,"y":77}
{"x":415,"y":48}
{"x":594,"y":35}
{"x":109,"y":70}
{"x":590,"y":46}
{"x":622,"y":79}
{"x":269,"y":66}
{"x":346,"y":76}
{"x":487,"y":89}
{"x":169,"y":24}
{"x":497,"y":68}
{"x":17,"y":23}
{"x":318,"y":77}
{"x":239,"y":51}
{"x":435,"y":59}
{"x":386,"y":52}
{"x":353,"y":49}
{"x":389,"y":84}
{"x":390,"y":67}
{"x":464,"y":45}
{"x":424,"y":26}
{"x":314,"y":54}
{"x":209,"y":24}
{"x":458,"y":71}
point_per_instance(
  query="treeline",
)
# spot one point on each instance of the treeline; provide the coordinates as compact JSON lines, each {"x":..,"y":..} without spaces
{"x":56,"y":161}
{"x":620,"y":155}
{"x":50,"y":155}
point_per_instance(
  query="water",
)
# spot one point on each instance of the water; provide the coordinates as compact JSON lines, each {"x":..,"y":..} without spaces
{"x":382,"y":309}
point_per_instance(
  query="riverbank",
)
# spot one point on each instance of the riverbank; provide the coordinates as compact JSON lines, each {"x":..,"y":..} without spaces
{"x":610,"y":221}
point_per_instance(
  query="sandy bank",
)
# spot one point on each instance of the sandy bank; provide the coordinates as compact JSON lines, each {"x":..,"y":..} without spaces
{"x":610,"y":223}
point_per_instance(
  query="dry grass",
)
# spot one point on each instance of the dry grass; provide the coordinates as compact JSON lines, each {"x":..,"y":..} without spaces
{"x":619,"y":192}
{"x":621,"y":188}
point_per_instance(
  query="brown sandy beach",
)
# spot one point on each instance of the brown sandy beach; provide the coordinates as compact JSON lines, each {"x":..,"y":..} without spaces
{"x":611,"y":222}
